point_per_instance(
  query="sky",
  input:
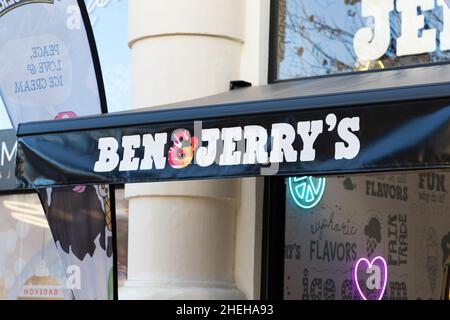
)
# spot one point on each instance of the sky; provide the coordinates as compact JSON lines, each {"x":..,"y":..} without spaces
{"x":110,"y":25}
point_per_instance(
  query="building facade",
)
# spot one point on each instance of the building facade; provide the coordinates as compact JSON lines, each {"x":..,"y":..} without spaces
{"x":204,"y":239}
{"x":199,"y":239}
{"x":355,"y":231}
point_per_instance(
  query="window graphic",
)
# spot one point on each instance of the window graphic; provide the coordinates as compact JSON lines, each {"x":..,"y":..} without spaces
{"x":370,"y":237}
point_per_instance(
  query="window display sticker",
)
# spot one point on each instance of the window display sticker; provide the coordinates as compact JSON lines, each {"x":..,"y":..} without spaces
{"x":402,"y":218}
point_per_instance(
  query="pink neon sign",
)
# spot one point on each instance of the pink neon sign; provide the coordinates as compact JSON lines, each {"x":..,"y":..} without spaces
{"x":379,"y":262}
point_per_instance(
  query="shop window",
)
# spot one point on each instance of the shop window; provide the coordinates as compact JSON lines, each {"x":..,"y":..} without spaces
{"x":368,"y":237}
{"x":30,"y":267}
{"x":323,"y":37}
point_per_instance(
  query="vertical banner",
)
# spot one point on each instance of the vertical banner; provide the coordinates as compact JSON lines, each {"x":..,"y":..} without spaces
{"x":50,"y":70}
{"x":47,"y":67}
{"x":80,"y":220}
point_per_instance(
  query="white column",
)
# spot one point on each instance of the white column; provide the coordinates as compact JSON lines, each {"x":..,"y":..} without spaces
{"x":182,"y":235}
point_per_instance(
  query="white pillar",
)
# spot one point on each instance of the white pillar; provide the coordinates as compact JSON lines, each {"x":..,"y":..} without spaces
{"x":182,"y":235}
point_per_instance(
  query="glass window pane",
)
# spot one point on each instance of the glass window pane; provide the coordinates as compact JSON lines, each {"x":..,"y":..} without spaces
{"x":122,"y":235}
{"x":324,"y":37}
{"x":335,"y":225}
{"x":30,"y":267}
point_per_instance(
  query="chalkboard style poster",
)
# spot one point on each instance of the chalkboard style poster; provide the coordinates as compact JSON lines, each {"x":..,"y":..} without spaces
{"x":50,"y":70}
{"x":369,"y":237}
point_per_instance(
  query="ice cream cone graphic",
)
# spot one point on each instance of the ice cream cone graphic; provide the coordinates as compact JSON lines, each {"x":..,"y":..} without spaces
{"x":371,"y":245}
{"x":104,"y":191}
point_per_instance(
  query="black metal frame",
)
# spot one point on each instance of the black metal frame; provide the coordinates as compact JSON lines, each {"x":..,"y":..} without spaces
{"x":274,"y":214}
{"x":274,"y":208}
{"x":94,"y":55}
{"x":273,"y":41}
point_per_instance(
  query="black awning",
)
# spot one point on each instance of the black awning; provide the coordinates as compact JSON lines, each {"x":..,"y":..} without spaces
{"x":362,"y":122}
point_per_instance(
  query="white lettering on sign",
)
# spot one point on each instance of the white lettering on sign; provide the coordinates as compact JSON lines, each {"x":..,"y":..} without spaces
{"x":309,"y":131}
{"x":445,"y":34}
{"x":6,"y":154}
{"x":207,"y":155}
{"x":346,"y":129}
{"x":372,"y":42}
{"x":228,"y":146}
{"x":154,"y":151}
{"x":230,"y":156}
{"x":255,"y":150}
{"x":283,"y":136}
{"x":109,"y":159}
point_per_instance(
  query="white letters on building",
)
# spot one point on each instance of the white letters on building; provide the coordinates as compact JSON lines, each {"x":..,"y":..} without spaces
{"x":248,"y":145}
{"x":410,"y":42}
{"x":445,"y":34}
{"x":372,"y":43}
{"x":129,"y":144}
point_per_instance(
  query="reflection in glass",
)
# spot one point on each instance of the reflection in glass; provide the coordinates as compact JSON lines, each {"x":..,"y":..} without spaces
{"x":317,"y":38}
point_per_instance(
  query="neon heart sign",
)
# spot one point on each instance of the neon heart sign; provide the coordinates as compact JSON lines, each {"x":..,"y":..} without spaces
{"x":377,"y":268}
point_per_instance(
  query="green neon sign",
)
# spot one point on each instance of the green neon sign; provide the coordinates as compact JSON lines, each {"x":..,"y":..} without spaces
{"x":306,"y":191}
